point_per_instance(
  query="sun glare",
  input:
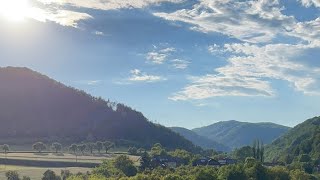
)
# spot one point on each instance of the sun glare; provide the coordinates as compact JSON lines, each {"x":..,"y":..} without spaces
{"x":14,"y":10}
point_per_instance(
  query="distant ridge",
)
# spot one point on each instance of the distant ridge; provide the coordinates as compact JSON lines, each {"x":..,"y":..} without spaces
{"x":237,"y":134}
{"x":201,"y":141}
{"x":33,"y":107}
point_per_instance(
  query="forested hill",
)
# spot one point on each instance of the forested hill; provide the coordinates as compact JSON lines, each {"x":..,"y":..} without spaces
{"x":201,"y":141}
{"x":302,"y":139}
{"x":237,"y":134}
{"x":34,"y":106}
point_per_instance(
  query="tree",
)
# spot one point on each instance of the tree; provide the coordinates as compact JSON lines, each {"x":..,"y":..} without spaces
{"x":12,"y":175}
{"x":108,"y":145}
{"x":56,"y":146}
{"x":158,"y":150}
{"x":73,"y":148}
{"x":99,"y":146}
{"x":278,"y":173}
{"x":242,"y":153}
{"x":205,"y":174}
{"x":132,"y":151}
{"x":26,"y":178}
{"x":141,"y":151}
{"x":124,"y":164}
{"x":50,"y":175}
{"x":249,"y":162}
{"x":81,"y":148}
{"x":65,"y":174}
{"x":258,"y":150}
{"x":90,"y":147}
{"x":39,"y":146}
{"x":145,"y":161}
{"x":5,"y":148}
{"x":298,"y":174}
{"x":305,"y":158}
{"x":232,"y":172}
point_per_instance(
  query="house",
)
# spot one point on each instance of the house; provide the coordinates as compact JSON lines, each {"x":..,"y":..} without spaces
{"x":166,"y":161}
{"x":214,"y":163}
{"x":206,"y":162}
{"x":227,"y":161}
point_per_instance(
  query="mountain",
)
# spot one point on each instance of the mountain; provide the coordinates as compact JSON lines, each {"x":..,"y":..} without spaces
{"x":34,"y":107}
{"x":198,"y":140}
{"x":302,"y":139}
{"x":237,"y":134}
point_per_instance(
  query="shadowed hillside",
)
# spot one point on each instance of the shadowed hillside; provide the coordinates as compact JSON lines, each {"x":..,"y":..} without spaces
{"x":35,"y":106}
{"x":236,"y":134}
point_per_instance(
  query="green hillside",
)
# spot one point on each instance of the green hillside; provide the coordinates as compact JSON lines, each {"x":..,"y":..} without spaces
{"x":302,"y":139}
{"x":201,"y":141}
{"x":237,"y":134}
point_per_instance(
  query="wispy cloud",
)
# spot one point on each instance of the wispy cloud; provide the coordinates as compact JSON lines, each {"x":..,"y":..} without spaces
{"x":160,"y":56}
{"x":308,"y":3}
{"x":250,"y":69}
{"x":89,"y":82}
{"x":139,"y":76}
{"x":209,"y":86}
{"x":180,"y":63}
{"x":250,"y":21}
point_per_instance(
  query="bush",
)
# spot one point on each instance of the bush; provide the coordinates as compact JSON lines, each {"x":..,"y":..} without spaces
{"x":12,"y":175}
{"x":50,"y":175}
{"x":124,"y":164}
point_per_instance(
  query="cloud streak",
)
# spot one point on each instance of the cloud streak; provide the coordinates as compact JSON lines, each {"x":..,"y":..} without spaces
{"x":139,"y":76}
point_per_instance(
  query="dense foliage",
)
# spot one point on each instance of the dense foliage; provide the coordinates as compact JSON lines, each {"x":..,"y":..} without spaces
{"x":237,"y":134}
{"x":33,"y":106}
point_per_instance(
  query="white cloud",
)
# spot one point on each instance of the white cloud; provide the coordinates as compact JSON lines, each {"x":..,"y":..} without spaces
{"x":216,"y":49}
{"x":250,"y":69}
{"x":180,"y":63}
{"x":254,"y":21}
{"x":309,"y":31}
{"x":160,"y":56}
{"x":108,"y":4}
{"x":138,"y":76}
{"x":62,"y":17}
{"x":308,"y":3}
{"x":59,"y":10}
{"x":209,"y":86}
{"x":250,"y":21}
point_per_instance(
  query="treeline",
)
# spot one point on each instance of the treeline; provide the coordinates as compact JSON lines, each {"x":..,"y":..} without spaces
{"x":154,"y":164}
{"x":122,"y":168}
{"x":74,"y":148}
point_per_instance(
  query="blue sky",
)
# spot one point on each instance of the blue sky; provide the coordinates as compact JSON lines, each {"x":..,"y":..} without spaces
{"x":182,"y":63}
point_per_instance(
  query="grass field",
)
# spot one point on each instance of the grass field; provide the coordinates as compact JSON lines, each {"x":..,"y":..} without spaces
{"x":35,"y":173}
{"x":96,"y":158}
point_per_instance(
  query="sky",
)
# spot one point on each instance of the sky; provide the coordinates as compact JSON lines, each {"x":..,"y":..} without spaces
{"x":187,"y":63}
